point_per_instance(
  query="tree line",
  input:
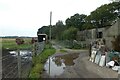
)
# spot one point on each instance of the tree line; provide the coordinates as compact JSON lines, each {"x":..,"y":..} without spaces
{"x":103,"y":16}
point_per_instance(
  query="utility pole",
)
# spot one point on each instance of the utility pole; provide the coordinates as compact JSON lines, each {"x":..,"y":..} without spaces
{"x":50,"y":24}
{"x":50,"y":38}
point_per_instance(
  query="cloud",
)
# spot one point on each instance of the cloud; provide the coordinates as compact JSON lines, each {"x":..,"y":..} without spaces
{"x":24,"y":15}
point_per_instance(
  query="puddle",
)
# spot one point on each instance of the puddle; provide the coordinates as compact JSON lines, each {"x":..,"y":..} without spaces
{"x":58,"y":63}
{"x":25,"y":54}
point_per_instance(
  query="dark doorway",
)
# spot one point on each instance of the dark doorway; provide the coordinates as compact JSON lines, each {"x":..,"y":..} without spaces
{"x":100,"y":35}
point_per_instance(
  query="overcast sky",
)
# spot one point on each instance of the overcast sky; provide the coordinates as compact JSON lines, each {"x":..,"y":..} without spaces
{"x":24,"y":17}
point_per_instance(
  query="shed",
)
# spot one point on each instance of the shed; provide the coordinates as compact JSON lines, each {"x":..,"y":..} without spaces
{"x":42,"y":37}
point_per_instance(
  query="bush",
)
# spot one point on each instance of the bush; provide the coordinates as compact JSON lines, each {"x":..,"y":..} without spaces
{"x":19,"y":41}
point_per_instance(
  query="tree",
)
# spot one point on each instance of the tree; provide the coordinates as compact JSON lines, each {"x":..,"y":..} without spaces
{"x":70,"y":34}
{"x":105,"y":14}
{"x":57,"y":30}
{"x":76,"y":21}
{"x":44,"y":30}
{"x":115,"y":0}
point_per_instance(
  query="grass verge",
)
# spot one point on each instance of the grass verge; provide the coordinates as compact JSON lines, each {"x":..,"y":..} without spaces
{"x":39,"y":60}
{"x":62,"y":51}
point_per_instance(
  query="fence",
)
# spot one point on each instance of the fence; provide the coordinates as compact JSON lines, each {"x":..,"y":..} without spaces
{"x":38,"y":47}
{"x":10,"y":67}
{"x":10,"y":64}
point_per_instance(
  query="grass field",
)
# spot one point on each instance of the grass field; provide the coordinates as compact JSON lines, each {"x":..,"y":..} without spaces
{"x":9,"y":43}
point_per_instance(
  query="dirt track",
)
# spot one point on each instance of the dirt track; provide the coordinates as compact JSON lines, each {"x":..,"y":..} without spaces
{"x":83,"y":68}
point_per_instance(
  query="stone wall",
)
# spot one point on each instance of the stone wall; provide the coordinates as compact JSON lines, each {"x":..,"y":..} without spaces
{"x":109,"y":33}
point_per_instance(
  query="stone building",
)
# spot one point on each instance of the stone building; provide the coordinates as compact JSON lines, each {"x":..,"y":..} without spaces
{"x":108,"y":33}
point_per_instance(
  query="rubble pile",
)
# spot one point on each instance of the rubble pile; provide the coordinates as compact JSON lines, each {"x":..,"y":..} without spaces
{"x":103,"y":56}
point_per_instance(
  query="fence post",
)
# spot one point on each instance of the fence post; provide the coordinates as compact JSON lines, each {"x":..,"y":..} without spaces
{"x":49,"y":66}
{"x":19,"y":64}
{"x":118,"y":73}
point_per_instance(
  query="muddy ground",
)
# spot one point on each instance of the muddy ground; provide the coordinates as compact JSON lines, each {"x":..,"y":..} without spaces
{"x":82,"y":67}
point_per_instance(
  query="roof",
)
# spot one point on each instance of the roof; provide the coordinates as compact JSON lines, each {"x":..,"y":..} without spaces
{"x":41,"y":34}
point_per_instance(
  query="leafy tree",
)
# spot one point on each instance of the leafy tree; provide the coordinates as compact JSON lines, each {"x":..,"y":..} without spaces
{"x":70,"y":34}
{"x":115,"y":0}
{"x":105,"y":14}
{"x":76,"y":20}
{"x":43,"y":30}
{"x":101,"y":17}
{"x":57,"y":30}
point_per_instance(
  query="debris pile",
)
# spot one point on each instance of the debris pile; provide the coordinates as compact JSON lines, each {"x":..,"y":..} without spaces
{"x":103,"y":56}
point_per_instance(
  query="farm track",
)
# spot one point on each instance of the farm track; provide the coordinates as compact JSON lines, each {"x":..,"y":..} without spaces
{"x":10,"y":68}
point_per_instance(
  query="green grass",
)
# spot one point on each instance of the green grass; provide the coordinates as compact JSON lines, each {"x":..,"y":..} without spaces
{"x":38,"y":61}
{"x":36,"y":70}
{"x":62,"y":51}
{"x":11,"y":44}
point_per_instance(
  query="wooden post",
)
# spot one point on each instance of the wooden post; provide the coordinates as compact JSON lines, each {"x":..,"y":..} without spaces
{"x":49,"y":66}
{"x":118,"y":73}
{"x":35,"y":48}
{"x":19,"y":64}
{"x":32,"y":50}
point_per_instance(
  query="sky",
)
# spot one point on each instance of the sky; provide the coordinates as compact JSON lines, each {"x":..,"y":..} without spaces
{"x":24,"y":17}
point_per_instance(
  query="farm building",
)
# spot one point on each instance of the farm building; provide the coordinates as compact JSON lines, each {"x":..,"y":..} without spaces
{"x":108,"y":33}
{"x":42,"y":37}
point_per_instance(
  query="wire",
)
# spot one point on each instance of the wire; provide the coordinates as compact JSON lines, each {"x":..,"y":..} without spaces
{"x":14,"y":62}
{"x":10,"y":71}
{"x":6,"y":57}
{"x":13,"y":70}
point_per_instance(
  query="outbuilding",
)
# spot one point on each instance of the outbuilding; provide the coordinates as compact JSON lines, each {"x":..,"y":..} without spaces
{"x":42,"y":37}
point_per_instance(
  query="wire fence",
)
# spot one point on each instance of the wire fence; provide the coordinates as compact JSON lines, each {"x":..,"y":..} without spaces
{"x":38,"y":47}
{"x":10,"y":69}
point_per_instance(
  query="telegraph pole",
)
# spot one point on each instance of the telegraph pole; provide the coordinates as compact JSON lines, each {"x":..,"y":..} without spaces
{"x":50,"y":24}
{"x":50,"y":38}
